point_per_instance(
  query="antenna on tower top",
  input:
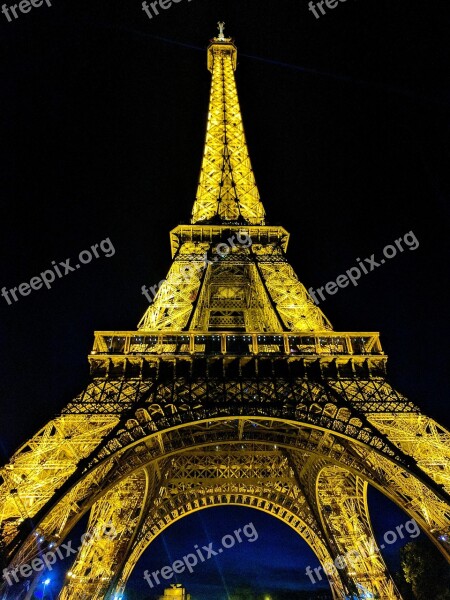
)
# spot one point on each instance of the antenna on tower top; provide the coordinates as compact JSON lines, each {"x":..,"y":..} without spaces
{"x":221,"y":27}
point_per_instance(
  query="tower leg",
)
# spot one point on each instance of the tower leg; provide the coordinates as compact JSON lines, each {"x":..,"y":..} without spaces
{"x":342,"y":503}
{"x":112,"y":525}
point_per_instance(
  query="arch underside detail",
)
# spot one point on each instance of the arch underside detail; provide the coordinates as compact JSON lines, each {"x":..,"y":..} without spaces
{"x":147,"y":423}
{"x":211,"y":477}
{"x":266,"y":479}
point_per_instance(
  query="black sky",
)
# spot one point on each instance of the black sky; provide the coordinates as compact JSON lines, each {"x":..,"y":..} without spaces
{"x":102,"y":124}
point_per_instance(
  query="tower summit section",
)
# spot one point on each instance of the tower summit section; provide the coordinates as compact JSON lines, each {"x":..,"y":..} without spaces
{"x":227,"y":190}
{"x":243,"y":287}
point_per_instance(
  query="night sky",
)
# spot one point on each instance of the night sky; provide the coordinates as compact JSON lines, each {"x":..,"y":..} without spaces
{"x":103,"y":115}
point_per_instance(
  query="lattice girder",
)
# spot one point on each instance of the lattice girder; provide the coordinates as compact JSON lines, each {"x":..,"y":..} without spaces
{"x":227,"y":189}
{"x":342,"y":501}
{"x":232,"y":353}
{"x":100,"y":557}
{"x":212,"y":477}
{"x":257,"y":277}
{"x":294,"y":305}
{"x":181,"y":401}
{"x":383,"y":472}
{"x":55,"y":453}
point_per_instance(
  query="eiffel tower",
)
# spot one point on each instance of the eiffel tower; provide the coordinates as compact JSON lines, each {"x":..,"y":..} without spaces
{"x":233,"y":390}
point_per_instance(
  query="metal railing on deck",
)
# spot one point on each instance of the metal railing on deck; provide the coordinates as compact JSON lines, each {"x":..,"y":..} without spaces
{"x":237,"y":344}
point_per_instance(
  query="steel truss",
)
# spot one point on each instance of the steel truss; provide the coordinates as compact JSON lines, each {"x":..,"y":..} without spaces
{"x":234,"y":389}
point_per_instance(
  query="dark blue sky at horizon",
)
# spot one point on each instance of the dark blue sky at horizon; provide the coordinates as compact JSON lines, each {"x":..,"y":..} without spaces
{"x":267,"y":564}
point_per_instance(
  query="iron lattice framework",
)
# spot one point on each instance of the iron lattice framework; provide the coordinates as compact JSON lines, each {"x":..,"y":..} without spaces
{"x":234,"y":390}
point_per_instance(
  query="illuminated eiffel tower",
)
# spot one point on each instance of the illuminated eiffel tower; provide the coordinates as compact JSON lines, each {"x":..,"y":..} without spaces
{"x":234,"y":390}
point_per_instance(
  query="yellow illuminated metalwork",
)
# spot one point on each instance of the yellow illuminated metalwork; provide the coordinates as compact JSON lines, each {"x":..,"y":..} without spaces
{"x":234,"y":389}
{"x":227,"y":189}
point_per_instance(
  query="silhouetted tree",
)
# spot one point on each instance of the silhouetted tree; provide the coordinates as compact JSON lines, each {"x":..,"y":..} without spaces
{"x":425,"y":570}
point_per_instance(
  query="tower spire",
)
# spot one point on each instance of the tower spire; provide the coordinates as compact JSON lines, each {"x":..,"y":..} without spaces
{"x":227,"y":191}
{"x":221,"y":27}
{"x":216,"y":282}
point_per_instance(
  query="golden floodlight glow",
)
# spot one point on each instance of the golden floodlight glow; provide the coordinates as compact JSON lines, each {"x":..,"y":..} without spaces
{"x":233,"y":390}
